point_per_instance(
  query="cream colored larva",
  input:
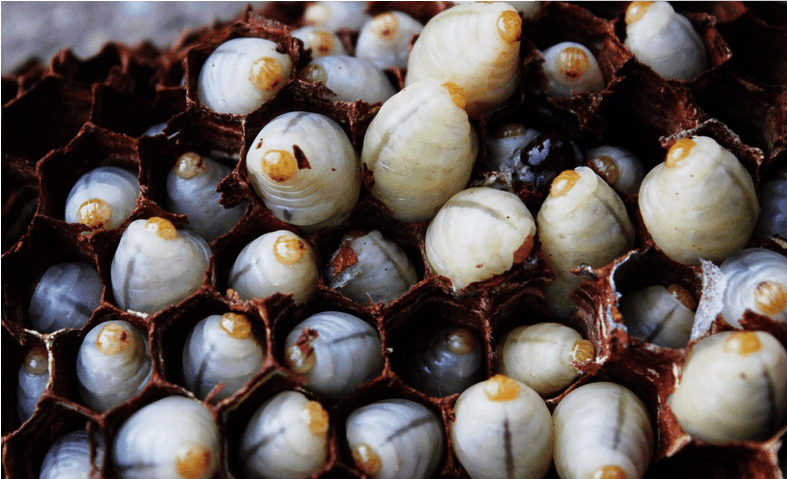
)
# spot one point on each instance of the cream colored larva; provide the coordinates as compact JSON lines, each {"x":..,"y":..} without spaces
{"x":349,"y":78}
{"x":305,"y":169}
{"x":699,"y":203}
{"x":385,"y":39}
{"x":504,"y":145}
{"x":70,"y":457}
{"x":475,"y":46}
{"x":733,"y":388}
{"x":618,"y":166}
{"x":571,"y":67}
{"x":660,"y":315}
{"x":420,"y":149}
{"x":756,"y":281}
{"x":479,"y":233}
{"x":320,"y":41}
{"x":581,"y":221}
{"x":102,"y":198}
{"x":33,"y":378}
{"x":333,"y":16}
{"x":602,"y":430}
{"x":242,"y":74}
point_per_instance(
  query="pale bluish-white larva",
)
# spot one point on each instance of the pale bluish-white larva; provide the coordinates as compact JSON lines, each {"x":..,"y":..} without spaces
{"x":733,"y":388}
{"x":664,"y":40}
{"x":172,"y":438}
{"x":420,"y":149}
{"x":618,"y":166}
{"x":395,"y":439}
{"x":103,"y":197}
{"x":65,"y":297}
{"x":221,"y":349}
{"x":502,"y":429}
{"x":448,"y":363}
{"x":242,"y":74}
{"x":287,"y":438}
{"x":660,"y":315}
{"x":544,"y":356}
{"x":385,"y":39}
{"x":156,"y":265}
{"x":504,"y":146}
{"x":69,"y":457}
{"x":336,"y":352}
{"x":756,"y":280}
{"x":571,"y":67}
{"x":381,"y":273}
{"x":277,"y":262}
{"x":320,"y":41}
{"x":350,"y":78}
{"x":336,"y":15}
{"x":479,"y":233}
{"x":475,"y":46}
{"x":113,"y":364}
{"x":305,"y":169}
{"x":581,"y":221}
{"x":602,"y":430}
{"x":699,"y":203}
{"x":191,"y":187}
{"x":33,"y":378}
{"x":773,"y":202}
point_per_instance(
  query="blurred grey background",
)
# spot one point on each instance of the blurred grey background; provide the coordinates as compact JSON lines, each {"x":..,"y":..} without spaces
{"x":40,"y":29}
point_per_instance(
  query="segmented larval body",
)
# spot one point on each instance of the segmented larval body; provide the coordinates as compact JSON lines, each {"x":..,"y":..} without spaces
{"x":350,"y":78}
{"x":65,"y":297}
{"x":103,"y":197}
{"x":385,"y":39}
{"x":757,"y":281}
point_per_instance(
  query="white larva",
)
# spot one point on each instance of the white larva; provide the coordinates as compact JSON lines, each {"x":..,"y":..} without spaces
{"x":773,"y":201}
{"x":602,"y":430}
{"x":420,"y":149}
{"x":664,"y":40}
{"x":544,"y":356}
{"x":733,"y":388}
{"x":699,"y":203}
{"x":156,"y":266}
{"x":350,"y":78}
{"x":336,"y":15}
{"x":504,"y":146}
{"x":113,"y":365}
{"x":618,"y":166}
{"x":502,"y":429}
{"x":33,"y":377}
{"x":447,"y":363}
{"x":336,"y":352}
{"x":395,"y":439}
{"x":571,"y":67}
{"x":65,"y":297}
{"x":660,"y":315}
{"x":287,"y":438}
{"x":277,"y":262}
{"x":305,"y":169}
{"x":475,"y":46}
{"x":757,"y":281}
{"x":581,"y":221}
{"x":479,"y":233}
{"x":69,"y":457}
{"x":382,"y":271}
{"x":102,"y":198}
{"x":221,"y":349}
{"x":242,"y":74}
{"x":385,"y":39}
{"x":172,"y":438}
{"x":320,"y":41}
{"x":191,"y":187}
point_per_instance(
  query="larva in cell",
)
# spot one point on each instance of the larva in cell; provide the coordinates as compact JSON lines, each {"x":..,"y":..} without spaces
{"x":320,"y":41}
{"x":65,"y":297}
{"x":349,"y":78}
{"x":661,"y":315}
{"x":571,"y":67}
{"x":618,"y":166}
{"x":384,"y":40}
{"x":756,"y":281}
{"x":102,"y":198}
{"x":69,"y":457}
{"x":336,"y":15}
{"x":447,"y":363}
{"x":33,"y":378}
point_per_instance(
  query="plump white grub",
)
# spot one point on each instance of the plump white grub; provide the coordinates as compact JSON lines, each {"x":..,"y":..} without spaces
{"x":602,"y":430}
{"x":448,"y":363}
{"x":733,"y":388}
{"x":287,"y":438}
{"x":502,"y":429}
{"x":385,"y":39}
{"x":102,"y":198}
{"x":172,"y":438}
{"x":479,"y":233}
{"x":420,"y":149}
{"x":69,"y":457}
{"x":618,"y":166}
{"x":773,"y":201}
{"x":156,"y":265}
{"x":277,"y":262}
{"x":320,"y":41}
{"x":33,"y":377}
{"x":395,"y":439}
{"x":350,"y":78}
{"x":475,"y":46}
{"x":191,"y":187}
{"x":336,"y":352}
{"x":336,"y":15}
{"x":544,"y":356}
{"x":113,"y":365}
{"x":221,"y":349}
{"x":571,"y":67}
{"x":660,"y":315}
{"x":65,"y":297}
{"x":664,"y":40}
{"x":581,"y":221}
{"x":699,"y":203}
{"x":756,"y":281}
{"x":242,"y":74}
{"x":504,"y":145}
{"x":305,"y":169}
